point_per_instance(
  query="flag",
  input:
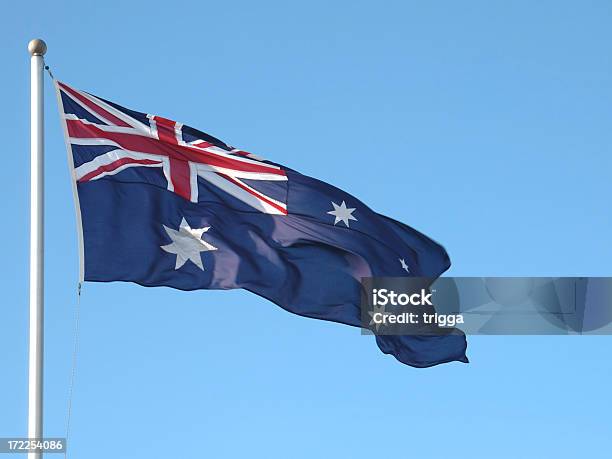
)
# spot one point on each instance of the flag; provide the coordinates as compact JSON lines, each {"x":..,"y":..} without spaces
{"x":160,"y":203}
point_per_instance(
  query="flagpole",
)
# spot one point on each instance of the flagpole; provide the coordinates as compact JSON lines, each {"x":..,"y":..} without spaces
{"x":37,"y":49}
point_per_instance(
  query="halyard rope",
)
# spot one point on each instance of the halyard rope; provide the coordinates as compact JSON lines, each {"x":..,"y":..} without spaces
{"x":75,"y":349}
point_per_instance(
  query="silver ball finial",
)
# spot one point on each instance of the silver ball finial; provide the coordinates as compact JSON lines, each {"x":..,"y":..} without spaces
{"x":37,"y":47}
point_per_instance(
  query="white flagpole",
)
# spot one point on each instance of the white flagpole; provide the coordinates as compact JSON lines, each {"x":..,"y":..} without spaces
{"x":37,"y":49}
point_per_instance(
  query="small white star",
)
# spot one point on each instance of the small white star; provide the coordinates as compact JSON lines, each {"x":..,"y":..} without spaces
{"x":376,"y":310}
{"x":187,"y":244}
{"x":404,"y":265}
{"x":342,"y":213}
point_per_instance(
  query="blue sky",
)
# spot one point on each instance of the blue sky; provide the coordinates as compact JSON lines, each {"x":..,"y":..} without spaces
{"x":484,"y":124}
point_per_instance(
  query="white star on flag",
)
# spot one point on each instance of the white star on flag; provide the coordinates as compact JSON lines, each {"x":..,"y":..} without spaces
{"x":187,"y":244}
{"x":374,"y":311}
{"x":404,"y":265}
{"x":342,"y":213}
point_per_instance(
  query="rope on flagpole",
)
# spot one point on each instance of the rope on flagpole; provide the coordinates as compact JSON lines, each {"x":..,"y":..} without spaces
{"x":49,"y":71}
{"x":75,"y":349}
{"x":75,"y":345}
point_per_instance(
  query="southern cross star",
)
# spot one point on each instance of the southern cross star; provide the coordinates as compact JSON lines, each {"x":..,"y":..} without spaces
{"x":342,"y":213}
{"x":377,"y":310}
{"x":404,"y":265}
{"x":187,"y":244}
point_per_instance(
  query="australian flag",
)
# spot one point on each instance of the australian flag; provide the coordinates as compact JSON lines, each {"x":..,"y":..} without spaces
{"x":160,"y":203}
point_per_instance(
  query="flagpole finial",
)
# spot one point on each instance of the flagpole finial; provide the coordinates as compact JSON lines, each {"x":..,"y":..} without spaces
{"x":37,"y":47}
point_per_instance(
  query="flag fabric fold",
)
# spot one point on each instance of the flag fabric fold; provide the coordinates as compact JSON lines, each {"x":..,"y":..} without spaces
{"x":163,"y":204}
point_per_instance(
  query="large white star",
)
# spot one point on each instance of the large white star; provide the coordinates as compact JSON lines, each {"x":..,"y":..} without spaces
{"x":342,"y":213}
{"x":405,"y":267}
{"x":187,"y":244}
